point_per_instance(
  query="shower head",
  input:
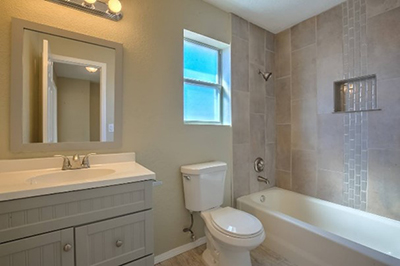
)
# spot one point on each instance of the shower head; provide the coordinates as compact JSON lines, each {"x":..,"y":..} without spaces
{"x":265,"y":75}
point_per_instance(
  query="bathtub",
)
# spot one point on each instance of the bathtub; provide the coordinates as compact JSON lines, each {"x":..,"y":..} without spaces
{"x":313,"y":232}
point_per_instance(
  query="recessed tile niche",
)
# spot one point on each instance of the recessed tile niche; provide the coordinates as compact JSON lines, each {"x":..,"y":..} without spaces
{"x":356,"y":95}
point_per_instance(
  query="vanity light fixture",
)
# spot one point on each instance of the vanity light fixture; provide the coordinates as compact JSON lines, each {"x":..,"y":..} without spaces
{"x":91,"y":69}
{"x":110,"y":9}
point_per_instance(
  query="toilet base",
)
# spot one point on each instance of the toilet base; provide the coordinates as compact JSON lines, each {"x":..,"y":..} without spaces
{"x":208,"y":258}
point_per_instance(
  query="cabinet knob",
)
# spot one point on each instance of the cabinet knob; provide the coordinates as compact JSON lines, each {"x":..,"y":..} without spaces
{"x":119,"y":243}
{"x":67,"y":247}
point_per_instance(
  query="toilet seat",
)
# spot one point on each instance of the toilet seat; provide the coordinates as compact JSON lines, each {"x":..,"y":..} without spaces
{"x":236,"y":223}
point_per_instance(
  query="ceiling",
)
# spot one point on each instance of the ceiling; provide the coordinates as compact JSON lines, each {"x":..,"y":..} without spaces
{"x":64,"y":70}
{"x":275,"y":15}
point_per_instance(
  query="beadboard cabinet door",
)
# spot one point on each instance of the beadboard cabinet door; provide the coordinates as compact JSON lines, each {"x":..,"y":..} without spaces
{"x":116,"y":241}
{"x":51,"y":249}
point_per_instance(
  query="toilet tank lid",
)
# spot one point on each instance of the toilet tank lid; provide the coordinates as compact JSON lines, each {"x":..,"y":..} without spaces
{"x":202,"y":168}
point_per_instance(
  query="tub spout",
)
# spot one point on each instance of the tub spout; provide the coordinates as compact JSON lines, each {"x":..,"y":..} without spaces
{"x":263,"y":179}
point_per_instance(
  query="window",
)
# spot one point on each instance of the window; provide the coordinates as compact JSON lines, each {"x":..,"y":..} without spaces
{"x":203,"y":91}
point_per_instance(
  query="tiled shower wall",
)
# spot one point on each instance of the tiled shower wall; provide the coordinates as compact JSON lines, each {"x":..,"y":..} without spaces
{"x":310,"y":153}
{"x":253,"y":106}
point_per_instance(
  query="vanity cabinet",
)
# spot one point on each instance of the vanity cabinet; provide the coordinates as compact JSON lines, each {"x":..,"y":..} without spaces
{"x":106,"y":226}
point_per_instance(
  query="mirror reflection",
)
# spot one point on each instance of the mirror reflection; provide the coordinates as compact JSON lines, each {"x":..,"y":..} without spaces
{"x":68,"y":90}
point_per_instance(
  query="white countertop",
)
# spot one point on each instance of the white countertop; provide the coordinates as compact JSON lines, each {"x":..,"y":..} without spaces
{"x":16,"y":175}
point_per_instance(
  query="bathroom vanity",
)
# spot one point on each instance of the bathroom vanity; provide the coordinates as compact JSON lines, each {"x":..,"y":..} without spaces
{"x":103,"y":219}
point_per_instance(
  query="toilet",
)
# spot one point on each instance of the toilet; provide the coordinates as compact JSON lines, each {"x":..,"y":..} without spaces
{"x":231,"y":234}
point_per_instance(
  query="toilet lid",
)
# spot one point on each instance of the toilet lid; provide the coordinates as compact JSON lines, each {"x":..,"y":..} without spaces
{"x":236,"y":223}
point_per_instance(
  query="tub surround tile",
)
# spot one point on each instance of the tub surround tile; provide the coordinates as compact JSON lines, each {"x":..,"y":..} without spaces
{"x":384,"y":183}
{"x":331,"y":142}
{"x":304,"y":73}
{"x":240,"y":27}
{"x":283,"y":101}
{"x":283,"y":147}
{"x":240,"y":117}
{"x":270,"y":171}
{"x":240,"y":64}
{"x":257,"y":90}
{"x":270,"y":120}
{"x":282,"y":54}
{"x":283,"y":179}
{"x":269,"y":41}
{"x":257,"y":135}
{"x":377,"y":7}
{"x":383,"y":44}
{"x":270,"y":67}
{"x":241,"y":174}
{"x":304,"y":124}
{"x":330,"y":186}
{"x":257,"y":45}
{"x":303,"y":34}
{"x":304,"y":172}
{"x":329,"y":57}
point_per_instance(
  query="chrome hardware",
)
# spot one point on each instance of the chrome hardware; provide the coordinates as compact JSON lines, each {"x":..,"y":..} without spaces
{"x":263,"y":179}
{"x":66,"y":163}
{"x":67,"y":247}
{"x":187,"y":177}
{"x":85,"y":161}
{"x":262,"y":198}
{"x":119,"y":243}
{"x":259,"y":165}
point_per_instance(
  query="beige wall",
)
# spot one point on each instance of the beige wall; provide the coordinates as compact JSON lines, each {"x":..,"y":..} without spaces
{"x":311,"y":151}
{"x":73,"y":110}
{"x":151,"y":33}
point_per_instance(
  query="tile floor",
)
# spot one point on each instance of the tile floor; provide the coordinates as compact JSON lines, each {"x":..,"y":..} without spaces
{"x":261,"y":256}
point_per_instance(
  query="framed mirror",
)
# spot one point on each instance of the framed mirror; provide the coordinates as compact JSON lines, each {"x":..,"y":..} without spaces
{"x":66,"y":90}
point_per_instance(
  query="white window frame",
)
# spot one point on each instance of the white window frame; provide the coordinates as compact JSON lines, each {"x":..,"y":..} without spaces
{"x":208,"y":85}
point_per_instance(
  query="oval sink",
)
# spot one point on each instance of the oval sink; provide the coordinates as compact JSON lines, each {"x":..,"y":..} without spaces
{"x":70,"y":176}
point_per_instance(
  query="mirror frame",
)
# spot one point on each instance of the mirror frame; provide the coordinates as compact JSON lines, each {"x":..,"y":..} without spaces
{"x":16,"y":93}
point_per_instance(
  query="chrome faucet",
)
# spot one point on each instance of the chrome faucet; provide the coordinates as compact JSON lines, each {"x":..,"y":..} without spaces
{"x":263,"y":179}
{"x":76,"y":162}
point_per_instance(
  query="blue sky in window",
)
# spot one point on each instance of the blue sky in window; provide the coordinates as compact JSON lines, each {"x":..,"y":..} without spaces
{"x":200,"y":63}
{"x":201,"y":103}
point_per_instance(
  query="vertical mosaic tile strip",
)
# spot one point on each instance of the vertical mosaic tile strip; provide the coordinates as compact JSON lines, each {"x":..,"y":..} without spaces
{"x":359,"y":95}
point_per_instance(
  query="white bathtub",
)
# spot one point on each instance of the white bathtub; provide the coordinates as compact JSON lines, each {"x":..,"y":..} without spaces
{"x":309,"y":231}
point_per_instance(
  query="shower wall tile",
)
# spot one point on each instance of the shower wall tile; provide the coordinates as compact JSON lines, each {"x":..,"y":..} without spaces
{"x":270,"y":171}
{"x":283,"y":179}
{"x":240,"y":64}
{"x":304,"y":124}
{"x":377,"y":7}
{"x":303,"y":34}
{"x":240,"y":117}
{"x":283,"y":149}
{"x":257,"y":45}
{"x":269,"y":41}
{"x":304,"y":172}
{"x":257,"y":90}
{"x":331,"y":142}
{"x":383,"y":44}
{"x":283,"y":101}
{"x":282,"y":53}
{"x":330,"y":186}
{"x":241,"y":174}
{"x":384,"y":183}
{"x":270,"y":120}
{"x":270,"y":67}
{"x":384,"y":126}
{"x":304,"y":72}
{"x":257,"y":135}
{"x":329,"y":57}
{"x":240,"y":27}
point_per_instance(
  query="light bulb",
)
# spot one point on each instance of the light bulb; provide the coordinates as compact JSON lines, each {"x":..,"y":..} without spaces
{"x":114,"y":6}
{"x":92,"y":69}
{"x":90,"y":2}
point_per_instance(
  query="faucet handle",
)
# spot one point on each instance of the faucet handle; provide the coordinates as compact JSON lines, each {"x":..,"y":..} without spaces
{"x":85,"y":161}
{"x":66,"y":162}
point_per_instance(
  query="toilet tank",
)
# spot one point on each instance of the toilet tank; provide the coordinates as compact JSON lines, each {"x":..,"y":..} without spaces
{"x":203,"y":185}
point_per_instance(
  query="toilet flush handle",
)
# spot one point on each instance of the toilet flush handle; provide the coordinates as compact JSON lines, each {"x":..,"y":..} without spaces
{"x":187,"y":177}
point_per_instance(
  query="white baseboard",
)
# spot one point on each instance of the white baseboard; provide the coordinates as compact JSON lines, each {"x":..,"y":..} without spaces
{"x":179,"y":250}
